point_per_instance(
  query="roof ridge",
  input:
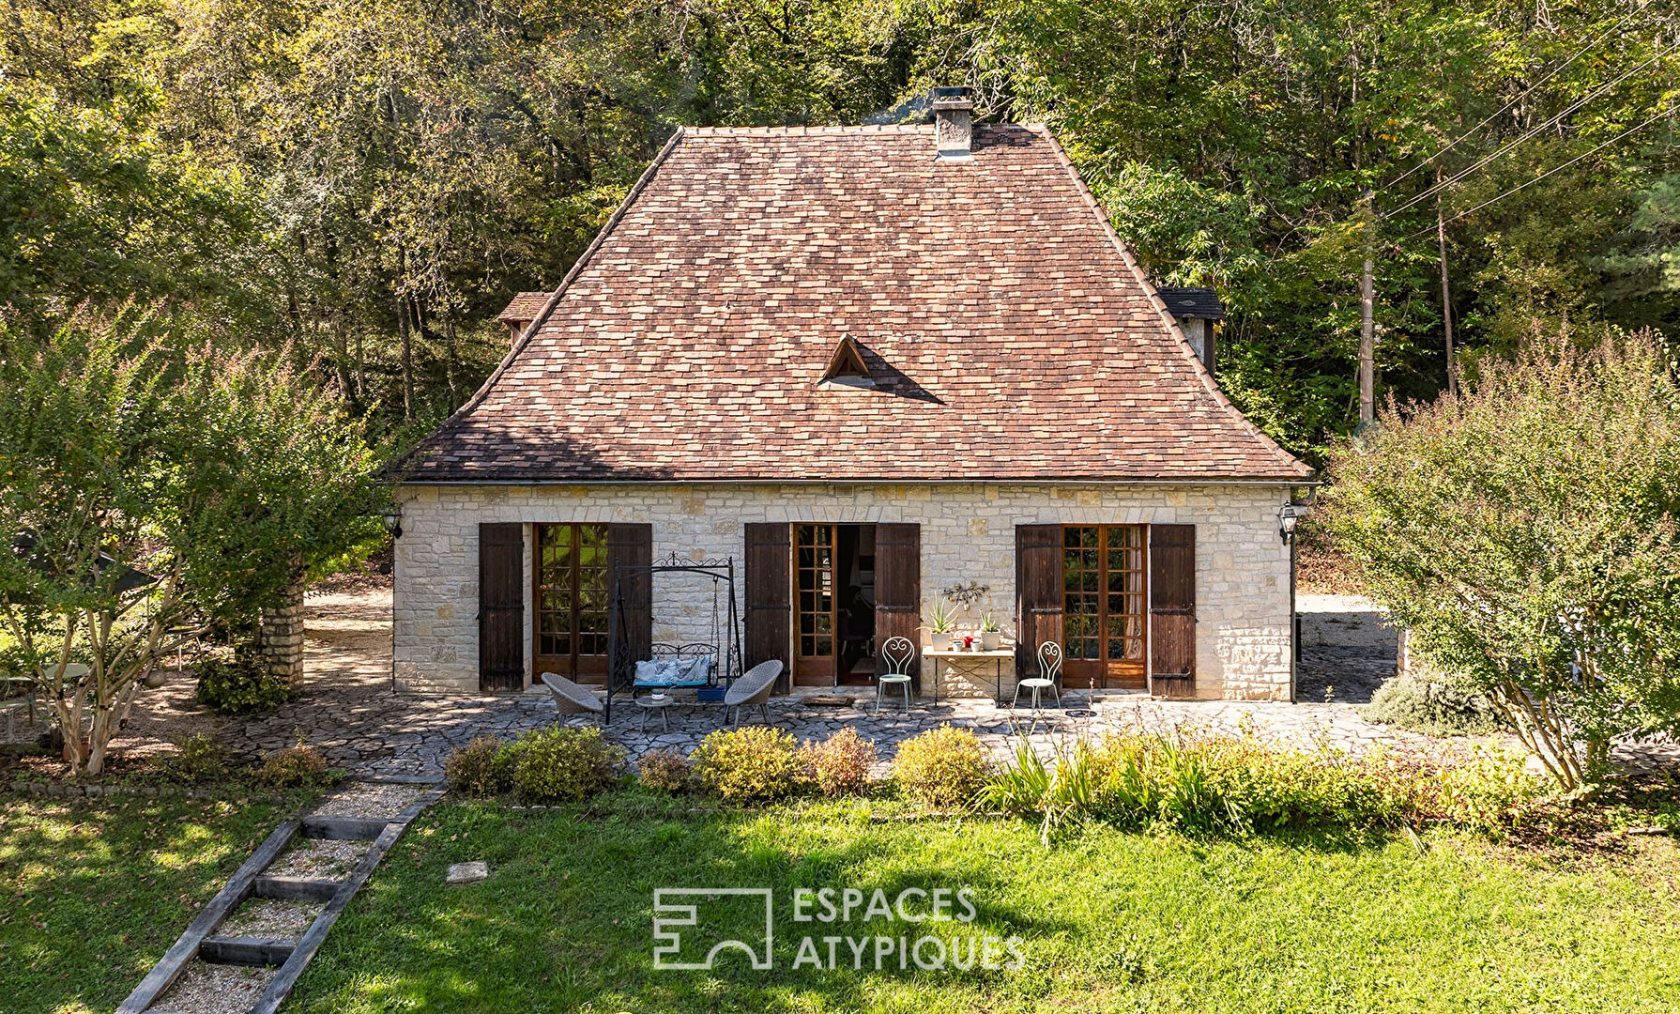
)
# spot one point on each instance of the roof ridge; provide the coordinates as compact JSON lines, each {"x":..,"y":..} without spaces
{"x":1201,"y":371}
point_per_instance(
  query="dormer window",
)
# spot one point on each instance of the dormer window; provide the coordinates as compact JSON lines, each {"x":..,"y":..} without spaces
{"x":846,"y":367}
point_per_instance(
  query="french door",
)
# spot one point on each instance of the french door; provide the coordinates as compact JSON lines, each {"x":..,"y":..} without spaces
{"x":571,"y":595}
{"x":1105,"y":608}
{"x":814,"y":615}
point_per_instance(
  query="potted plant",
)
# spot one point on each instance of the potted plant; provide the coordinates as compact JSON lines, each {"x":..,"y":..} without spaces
{"x":942,"y":622}
{"x":991,"y":635}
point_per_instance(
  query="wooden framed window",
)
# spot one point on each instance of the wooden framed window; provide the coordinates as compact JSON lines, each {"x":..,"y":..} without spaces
{"x":1105,"y":605}
{"x":813,"y":574}
{"x":573,"y":584}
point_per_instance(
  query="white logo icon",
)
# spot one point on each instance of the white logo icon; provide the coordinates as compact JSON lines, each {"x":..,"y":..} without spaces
{"x":671,"y":914}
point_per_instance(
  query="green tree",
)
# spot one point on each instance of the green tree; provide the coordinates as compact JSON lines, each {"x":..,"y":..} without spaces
{"x":220,"y":478}
{"x":1527,"y":535}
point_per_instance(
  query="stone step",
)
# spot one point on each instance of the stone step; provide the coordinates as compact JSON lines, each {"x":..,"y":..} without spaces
{"x":343,"y":828}
{"x":294,"y":888}
{"x":257,"y":952}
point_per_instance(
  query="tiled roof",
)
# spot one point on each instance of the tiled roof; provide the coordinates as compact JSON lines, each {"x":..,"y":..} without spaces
{"x":1202,"y":303}
{"x":1010,"y":334}
{"x":526,"y":306}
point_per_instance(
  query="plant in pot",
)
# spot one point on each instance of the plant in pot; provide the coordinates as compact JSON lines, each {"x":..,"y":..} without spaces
{"x":991,"y":635}
{"x":941,"y":622}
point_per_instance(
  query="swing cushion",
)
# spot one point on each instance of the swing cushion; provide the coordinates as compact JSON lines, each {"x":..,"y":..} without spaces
{"x":675,"y":672}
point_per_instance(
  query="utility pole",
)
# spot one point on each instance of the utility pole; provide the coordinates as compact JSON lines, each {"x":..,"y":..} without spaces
{"x":1367,"y":331}
{"x":1446,"y":292}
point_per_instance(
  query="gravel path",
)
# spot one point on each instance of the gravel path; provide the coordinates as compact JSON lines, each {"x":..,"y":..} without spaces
{"x":268,"y":917}
{"x":319,"y":860}
{"x":204,"y":988}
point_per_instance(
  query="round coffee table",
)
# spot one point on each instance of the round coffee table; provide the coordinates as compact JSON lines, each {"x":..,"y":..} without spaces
{"x":651,"y":703}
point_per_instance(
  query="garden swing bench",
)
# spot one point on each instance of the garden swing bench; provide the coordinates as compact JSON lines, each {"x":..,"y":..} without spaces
{"x":706,"y":668}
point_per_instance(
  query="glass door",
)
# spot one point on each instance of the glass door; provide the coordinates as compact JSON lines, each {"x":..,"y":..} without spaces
{"x":1105,"y":614}
{"x":813,"y":576}
{"x":572,"y":587}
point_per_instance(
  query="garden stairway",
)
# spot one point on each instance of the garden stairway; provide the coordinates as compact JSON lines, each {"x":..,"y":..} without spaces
{"x":247,"y":947}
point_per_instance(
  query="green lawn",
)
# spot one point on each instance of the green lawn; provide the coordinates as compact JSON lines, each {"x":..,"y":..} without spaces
{"x":1108,"y":920}
{"x":95,"y":890}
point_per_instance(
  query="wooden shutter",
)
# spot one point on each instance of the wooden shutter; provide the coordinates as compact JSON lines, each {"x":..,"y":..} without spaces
{"x":1038,"y":591}
{"x":769,"y":605}
{"x":501,"y":606}
{"x":898,"y":585}
{"x":631,"y":546}
{"x":1172,"y":610}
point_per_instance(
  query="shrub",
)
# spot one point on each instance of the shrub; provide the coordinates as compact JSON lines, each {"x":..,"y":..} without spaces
{"x":751,"y":764}
{"x":559,"y":764}
{"x":1432,"y":707}
{"x":483,"y":767}
{"x":665,"y":770}
{"x":236,"y":687}
{"x":198,"y":758}
{"x":942,"y":767}
{"x":839,"y":765}
{"x":294,"y":766}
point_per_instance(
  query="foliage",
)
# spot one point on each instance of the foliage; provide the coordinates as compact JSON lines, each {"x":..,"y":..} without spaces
{"x":558,"y":764}
{"x":299,"y":765}
{"x":1432,"y":706}
{"x":239,"y":687}
{"x":127,"y":445}
{"x":1527,"y":534}
{"x":839,"y":765}
{"x":1238,"y":786}
{"x":665,"y":770}
{"x":198,"y":758}
{"x":941,"y":619}
{"x":1296,"y":922}
{"x":752,"y":764}
{"x":484,"y":767}
{"x":946,"y":766}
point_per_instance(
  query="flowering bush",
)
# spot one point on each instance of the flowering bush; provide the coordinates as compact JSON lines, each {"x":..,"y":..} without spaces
{"x":483,"y":767}
{"x":839,"y":765}
{"x":665,"y":770}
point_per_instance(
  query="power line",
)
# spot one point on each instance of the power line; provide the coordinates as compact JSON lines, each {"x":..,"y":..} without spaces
{"x":1600,"y":37}
{"x":1553,"y":121}
{"x":1670,"y":111}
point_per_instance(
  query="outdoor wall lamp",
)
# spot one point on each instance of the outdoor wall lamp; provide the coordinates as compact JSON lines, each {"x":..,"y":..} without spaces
{"x":1290,"y":515}
{"x":392,"y":517}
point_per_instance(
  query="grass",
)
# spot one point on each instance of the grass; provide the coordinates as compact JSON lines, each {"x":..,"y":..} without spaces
{"x":1108,"y":920}
{"x":94,"y":890}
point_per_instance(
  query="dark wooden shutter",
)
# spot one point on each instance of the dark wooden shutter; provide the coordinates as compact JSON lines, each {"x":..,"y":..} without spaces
{"x":769,"y":604}
{"x":631,"y":546}
{"x":1172,"y":610}
{"x":501,"y":606}
{"x":1038,"y":591}
{"x":898,"y":585}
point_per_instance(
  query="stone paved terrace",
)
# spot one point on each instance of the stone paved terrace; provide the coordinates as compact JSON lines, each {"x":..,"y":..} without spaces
{"x":347,"y":709}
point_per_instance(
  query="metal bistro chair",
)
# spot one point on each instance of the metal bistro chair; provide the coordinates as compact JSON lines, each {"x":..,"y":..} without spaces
{"x":1049,"y":678}
{"x":897,"y":654}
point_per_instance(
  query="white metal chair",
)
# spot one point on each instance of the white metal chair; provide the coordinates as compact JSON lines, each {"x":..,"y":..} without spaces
{"x":571,"y":699}
{"x":1049,"y":678}
{"x":752,"y":690}
{"x":898,"y":654}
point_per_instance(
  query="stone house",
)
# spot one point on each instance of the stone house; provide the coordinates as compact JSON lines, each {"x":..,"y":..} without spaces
{"x":864,"y":365}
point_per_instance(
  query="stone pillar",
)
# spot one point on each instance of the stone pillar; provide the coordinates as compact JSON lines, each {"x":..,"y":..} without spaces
{"x":280,"y":637}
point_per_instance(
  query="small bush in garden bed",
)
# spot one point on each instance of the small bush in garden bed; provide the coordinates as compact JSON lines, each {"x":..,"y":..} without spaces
{"x":839,"y":765}
{"x":484,"y":767}
{"x":294,"y":766}
{"x":564,"y":765}
{"x":665,"y":770}
{"x":1432,"y":707}
{"x":240,"y":688}
{"x":750,"y":764}
{"x":946,"y":766}
{"x":198,"y":758}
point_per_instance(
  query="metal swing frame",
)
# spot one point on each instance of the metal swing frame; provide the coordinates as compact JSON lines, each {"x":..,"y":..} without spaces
{"x":621,"y":667}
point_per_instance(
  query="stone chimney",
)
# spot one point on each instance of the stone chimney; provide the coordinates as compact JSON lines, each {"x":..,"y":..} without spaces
{"x":953,"y":121}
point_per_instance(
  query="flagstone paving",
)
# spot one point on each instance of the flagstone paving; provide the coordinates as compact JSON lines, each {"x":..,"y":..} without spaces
{"x":347,"y":708}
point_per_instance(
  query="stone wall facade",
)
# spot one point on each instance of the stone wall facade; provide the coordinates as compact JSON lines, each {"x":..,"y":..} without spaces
{"x":1243,"y":633}
{"x":279,"y":644}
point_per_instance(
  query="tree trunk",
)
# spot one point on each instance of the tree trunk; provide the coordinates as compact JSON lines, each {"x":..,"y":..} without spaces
{"x":1446,"y":290}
